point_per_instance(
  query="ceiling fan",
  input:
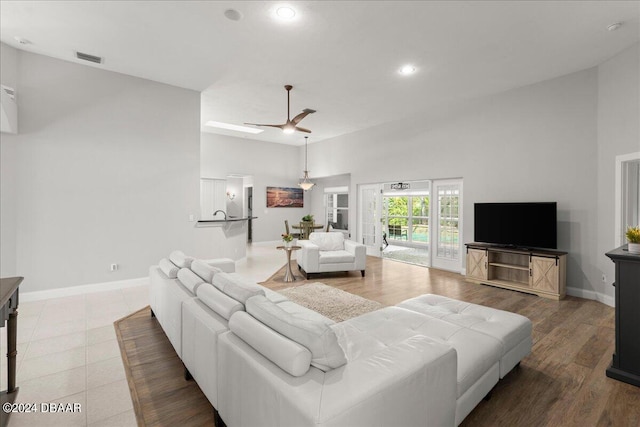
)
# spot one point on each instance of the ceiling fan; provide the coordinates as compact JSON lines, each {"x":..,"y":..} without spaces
{"x":291,"y":125}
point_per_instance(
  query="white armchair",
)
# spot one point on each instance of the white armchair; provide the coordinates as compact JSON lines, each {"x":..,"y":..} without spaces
{"x":327,"y":252}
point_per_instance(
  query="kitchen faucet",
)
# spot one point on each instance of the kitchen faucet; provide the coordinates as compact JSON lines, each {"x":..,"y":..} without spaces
{"x":223,"y":213}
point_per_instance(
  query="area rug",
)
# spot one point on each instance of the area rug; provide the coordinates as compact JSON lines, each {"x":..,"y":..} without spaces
{"x":331,"y":302}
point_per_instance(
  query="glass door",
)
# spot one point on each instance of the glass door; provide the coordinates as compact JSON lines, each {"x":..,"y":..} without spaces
{"x":447,"y":247}
{"x":406,"y":218}
{"x":370,"y":225}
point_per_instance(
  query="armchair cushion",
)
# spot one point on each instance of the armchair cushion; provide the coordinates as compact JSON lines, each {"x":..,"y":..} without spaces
{"x":332,"y":241}
{"x":316,"y":335}
{"x":335,"y":257}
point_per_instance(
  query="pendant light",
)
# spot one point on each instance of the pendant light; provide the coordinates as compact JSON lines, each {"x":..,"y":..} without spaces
{"x":305,"y":183}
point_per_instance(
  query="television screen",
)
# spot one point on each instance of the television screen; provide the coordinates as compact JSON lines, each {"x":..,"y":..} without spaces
{"x":525,"y":225}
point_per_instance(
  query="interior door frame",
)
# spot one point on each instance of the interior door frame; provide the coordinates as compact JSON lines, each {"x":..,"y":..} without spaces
{"x":620,"y":160}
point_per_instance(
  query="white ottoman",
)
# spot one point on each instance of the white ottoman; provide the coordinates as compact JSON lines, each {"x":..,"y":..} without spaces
{"x":511,"y":329}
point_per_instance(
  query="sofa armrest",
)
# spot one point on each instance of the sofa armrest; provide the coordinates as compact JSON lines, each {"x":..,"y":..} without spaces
{"x":412,"y":382}
{"x":359,"y":251}
{"x":227,"y":265}
{"x":309,"y":256}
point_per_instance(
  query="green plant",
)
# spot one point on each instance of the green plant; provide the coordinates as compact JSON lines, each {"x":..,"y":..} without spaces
{"x":287,"y":237}
{"x":633,"y":234}
{"x":307,"y":217}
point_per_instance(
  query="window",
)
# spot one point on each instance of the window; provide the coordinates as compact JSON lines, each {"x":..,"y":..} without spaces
{"x":407,"y":218}
{"x":337,"y":203}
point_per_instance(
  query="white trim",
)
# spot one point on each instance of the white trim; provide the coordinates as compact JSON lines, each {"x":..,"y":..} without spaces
{"x":82,"y":289}
{"x":618,"y":195}
{"x":342,"y":190}
{"x":596,"y":296}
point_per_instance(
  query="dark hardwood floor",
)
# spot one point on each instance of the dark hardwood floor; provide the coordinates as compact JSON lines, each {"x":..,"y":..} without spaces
{"x":562,"y":382}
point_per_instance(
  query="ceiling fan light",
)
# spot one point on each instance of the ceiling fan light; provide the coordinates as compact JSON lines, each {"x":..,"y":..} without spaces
{"x":288,"y":129}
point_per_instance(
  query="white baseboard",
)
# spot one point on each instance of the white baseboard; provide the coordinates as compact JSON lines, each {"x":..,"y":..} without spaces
{"x":82,"y":289}
{"x":596,"y":296}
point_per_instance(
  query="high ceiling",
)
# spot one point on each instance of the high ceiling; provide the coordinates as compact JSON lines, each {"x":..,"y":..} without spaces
{"x":342,"y":57}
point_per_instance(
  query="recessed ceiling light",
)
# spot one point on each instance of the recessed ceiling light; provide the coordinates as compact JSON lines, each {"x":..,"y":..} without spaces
{"x":230,"y":126}
{"x":407,"y":69}
{"x":285,"y":12}
{"x":233,"y":14}
{"x":615,"y":26}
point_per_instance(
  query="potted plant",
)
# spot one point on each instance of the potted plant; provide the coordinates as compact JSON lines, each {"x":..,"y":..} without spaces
{"x":307,"y":218}
{"x":633,"y":236}
{"x":287,"y":239}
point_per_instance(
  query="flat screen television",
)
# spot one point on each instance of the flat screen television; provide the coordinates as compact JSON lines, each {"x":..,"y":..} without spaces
{"x":522,"y":225}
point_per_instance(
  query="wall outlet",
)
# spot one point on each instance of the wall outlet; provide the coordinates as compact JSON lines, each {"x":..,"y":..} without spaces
{"x":113,"y":267}
{"x":192,"y":217}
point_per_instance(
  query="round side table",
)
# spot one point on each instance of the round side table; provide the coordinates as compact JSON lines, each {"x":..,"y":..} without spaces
{"x":288,"y":274}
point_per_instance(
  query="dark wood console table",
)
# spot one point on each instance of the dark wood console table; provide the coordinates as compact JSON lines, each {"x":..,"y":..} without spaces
{"x":9,"y":313}
{"x":626,"y":359}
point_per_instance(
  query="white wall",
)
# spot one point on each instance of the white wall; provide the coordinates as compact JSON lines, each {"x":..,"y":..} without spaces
{"x":536,"y":143}
{"x":107,"y":171}
{"x":618,"y":133}
{"x":270,"y":165}
{"x":8,"y":201}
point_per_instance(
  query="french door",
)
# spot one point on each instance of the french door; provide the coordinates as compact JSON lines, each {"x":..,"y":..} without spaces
{"x":442,"y":234}
{"x":447,"y":241}
{"x":370,"y":210}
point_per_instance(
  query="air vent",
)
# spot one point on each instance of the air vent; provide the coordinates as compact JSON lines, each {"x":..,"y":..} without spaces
{"x":87,"y":57}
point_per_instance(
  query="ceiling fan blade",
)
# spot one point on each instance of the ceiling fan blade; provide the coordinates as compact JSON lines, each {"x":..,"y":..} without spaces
{"x":290,"y":125}
{"x":297,"y":119}
{"x":271,"y":126}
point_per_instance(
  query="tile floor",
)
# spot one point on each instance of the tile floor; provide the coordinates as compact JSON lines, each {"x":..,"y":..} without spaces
{"x":68,"y":352}
{"x":418,"y":256}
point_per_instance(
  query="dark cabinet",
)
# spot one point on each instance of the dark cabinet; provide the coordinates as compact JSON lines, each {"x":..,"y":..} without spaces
{"x":626,"y":359}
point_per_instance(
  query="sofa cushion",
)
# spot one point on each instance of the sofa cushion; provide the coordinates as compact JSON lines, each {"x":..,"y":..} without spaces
{"x":220,"y":303}
{"x":336,"y":257}
{"x":477,"y":353}
{"x":236,"y":286}
{"x":168,"y":268}
{"x":287,"y":354}
{"x":316,"y":335}
{"x":333,"y":241}
{"x":180,"y":259}
{"x":189,"y":279}
{"x":204,"y":270}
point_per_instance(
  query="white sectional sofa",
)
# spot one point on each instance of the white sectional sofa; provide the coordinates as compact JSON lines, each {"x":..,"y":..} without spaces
{"x":167,"y":291}
{"x":263,"y":360}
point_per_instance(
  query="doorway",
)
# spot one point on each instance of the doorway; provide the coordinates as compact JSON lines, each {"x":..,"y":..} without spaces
{"x":418,"y":222}
{"x":627,"y":195}
{"x":405,"y":219}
